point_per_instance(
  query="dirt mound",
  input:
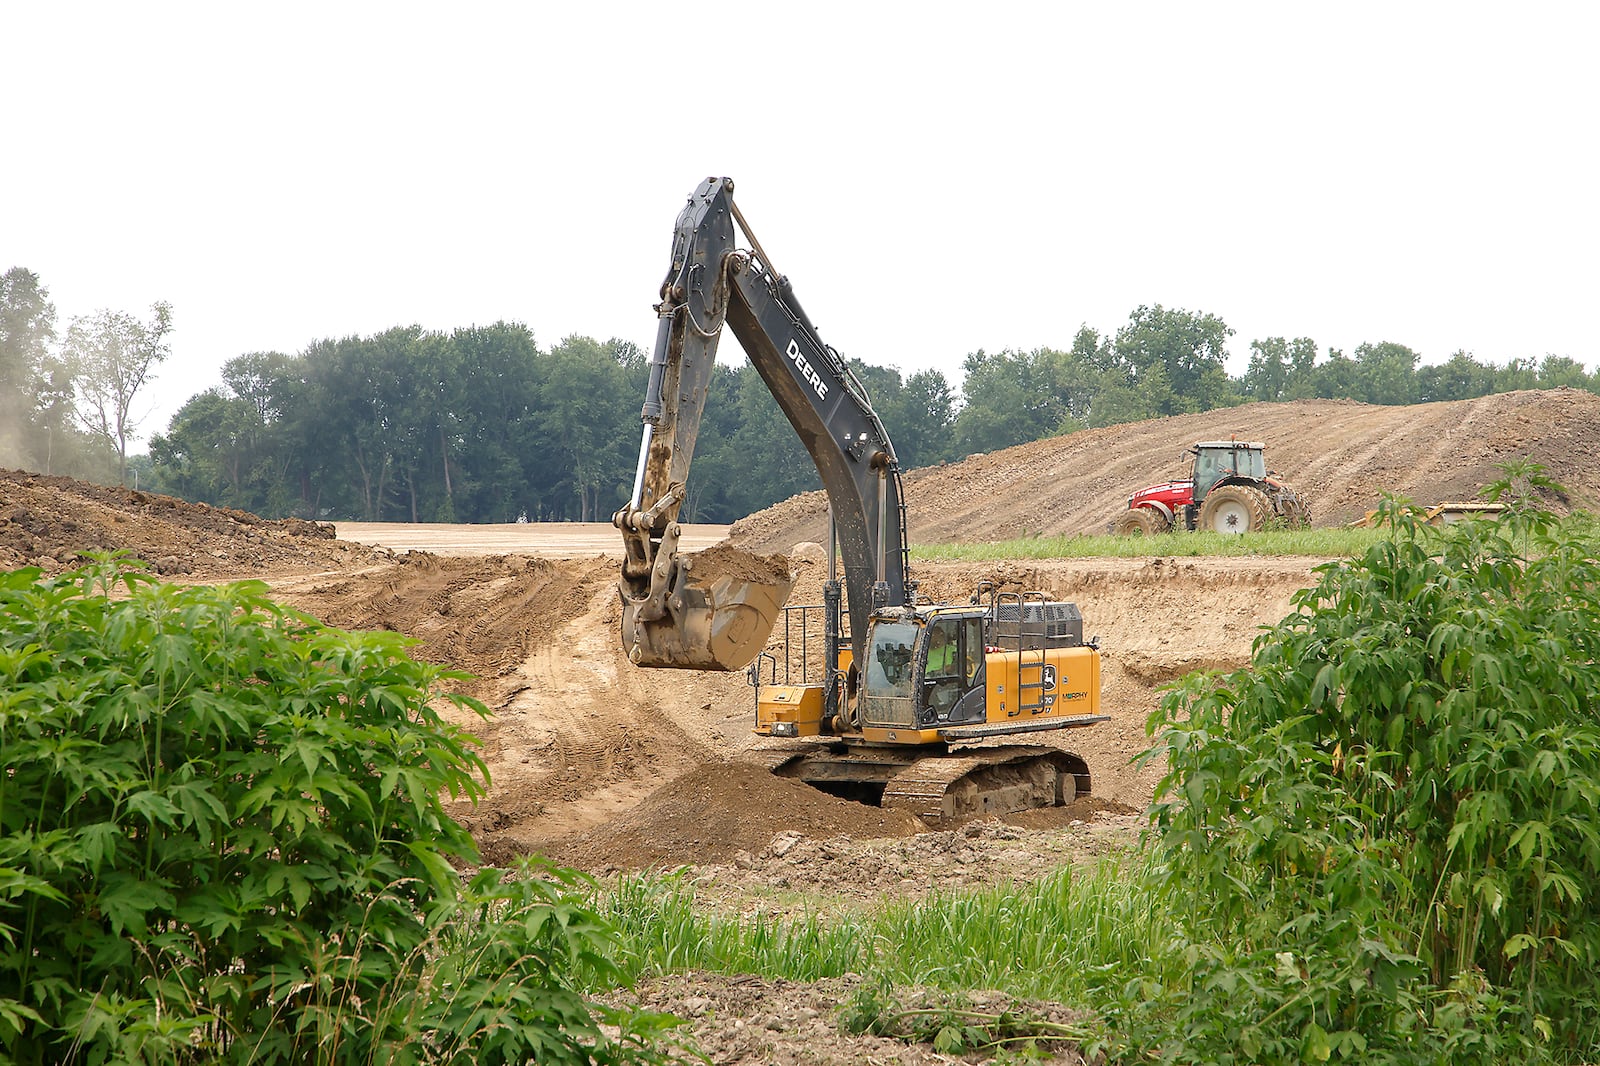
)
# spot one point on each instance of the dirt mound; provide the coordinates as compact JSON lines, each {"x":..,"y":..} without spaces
{"x":719,"y":810}
{"x":725,"y":560}
{"x":481,"y":614}
{"x":52,"y":522}
{"x":839,"y":870}
{"x":1339,"y":454}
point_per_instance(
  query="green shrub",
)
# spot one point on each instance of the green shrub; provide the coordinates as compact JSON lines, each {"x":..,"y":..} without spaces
{"x":221,"y":839}
{"x":1381,"y":838}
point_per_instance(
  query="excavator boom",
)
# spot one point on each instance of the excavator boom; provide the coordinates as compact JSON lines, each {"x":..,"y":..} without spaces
{"x":719,"y":618}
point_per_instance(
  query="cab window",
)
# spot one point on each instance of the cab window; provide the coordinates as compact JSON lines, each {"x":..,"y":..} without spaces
{"x":889,"y":660}
{"x":944,"y":653}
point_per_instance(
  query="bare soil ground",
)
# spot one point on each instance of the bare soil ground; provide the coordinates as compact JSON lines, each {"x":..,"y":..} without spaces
{"x":612,"y":768}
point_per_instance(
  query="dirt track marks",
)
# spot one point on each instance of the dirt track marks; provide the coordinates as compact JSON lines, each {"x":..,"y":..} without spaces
{"x":577,"y":734}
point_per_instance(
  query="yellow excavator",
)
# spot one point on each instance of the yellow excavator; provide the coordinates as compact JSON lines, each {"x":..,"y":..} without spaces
{"x":885,"y":697}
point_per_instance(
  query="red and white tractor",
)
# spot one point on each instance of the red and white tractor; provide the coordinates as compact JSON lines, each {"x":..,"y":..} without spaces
{"x":1229,"y":491}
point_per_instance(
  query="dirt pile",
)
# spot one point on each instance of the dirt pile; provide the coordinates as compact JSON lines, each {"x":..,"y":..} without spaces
{"x":838,"y":871}
{"x":735,"y":564}
{"x":1339,"y":454}
{"x":483,"y":615}
{"x":721,"y":810}
{"x":52,"y":522}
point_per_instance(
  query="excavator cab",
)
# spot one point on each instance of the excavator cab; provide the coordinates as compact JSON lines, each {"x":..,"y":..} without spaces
{"x":920,"y":671}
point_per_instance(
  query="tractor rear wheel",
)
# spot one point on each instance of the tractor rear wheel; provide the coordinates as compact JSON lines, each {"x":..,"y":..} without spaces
{"x":1235,"y":509}
{"x":1140,"y":522}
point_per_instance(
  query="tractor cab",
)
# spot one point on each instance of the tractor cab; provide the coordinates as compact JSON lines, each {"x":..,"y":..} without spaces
{"x":1216,"y":461}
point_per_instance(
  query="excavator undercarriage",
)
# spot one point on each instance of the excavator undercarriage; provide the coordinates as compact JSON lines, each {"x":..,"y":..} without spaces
{"x":938,"y":783}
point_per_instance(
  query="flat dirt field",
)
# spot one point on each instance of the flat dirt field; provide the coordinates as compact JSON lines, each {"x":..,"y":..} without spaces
{"x":608,"y":768}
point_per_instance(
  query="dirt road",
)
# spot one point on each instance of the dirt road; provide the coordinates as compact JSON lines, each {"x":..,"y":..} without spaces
{"x":554,"y":540}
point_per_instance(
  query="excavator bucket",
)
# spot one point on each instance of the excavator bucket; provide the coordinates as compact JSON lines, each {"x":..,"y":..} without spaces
{"x":715,"y":612}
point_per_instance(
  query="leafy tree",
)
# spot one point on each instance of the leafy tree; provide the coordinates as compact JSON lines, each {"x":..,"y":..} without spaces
{"x":492,"y":424}
{"x":1518,"y":374}
{"x":1280,"y":370}
{"x":588,"y":422}
{"x":362,"y":386}
{"x":112,"y":354}
{"x":1267,"y":377}
{"x":719,"y":477}
{"x":1337,"y":376}
{"x":917,"y":412}
{"x":928,"y":412}
{"x":1386,"y":373}
{"x":203,"y":455}
{"x":27,"y":326}
{"x":1118,"y":401}
{"x":1302,"y":383}
{"x":54,"y":413}
{"x":1190,"y":348}
{"x":222,"y":841}
{"x":1460,"y":377}
{"x":772,"y":464}
{"x":1561,"y":371}
{"x":1009,"y":398}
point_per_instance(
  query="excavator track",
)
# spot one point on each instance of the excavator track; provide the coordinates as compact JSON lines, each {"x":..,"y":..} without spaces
{"x":986,"y":781}
{"x":938,"y":787}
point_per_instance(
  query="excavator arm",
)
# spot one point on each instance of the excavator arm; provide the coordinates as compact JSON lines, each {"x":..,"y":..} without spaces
{"x":672,"y":616}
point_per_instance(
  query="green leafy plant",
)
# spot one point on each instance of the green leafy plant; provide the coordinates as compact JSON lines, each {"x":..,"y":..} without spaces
{"x":952,"y":1025}
{"x":1380,"y":838}
{"x":222,"y":839}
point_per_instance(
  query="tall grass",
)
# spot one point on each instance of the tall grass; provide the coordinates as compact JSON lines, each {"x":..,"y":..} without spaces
{"x":1316,"y":543}
{"x":1076,"y":931}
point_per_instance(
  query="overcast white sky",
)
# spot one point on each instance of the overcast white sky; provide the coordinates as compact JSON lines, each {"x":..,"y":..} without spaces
{"x":934,"y":178}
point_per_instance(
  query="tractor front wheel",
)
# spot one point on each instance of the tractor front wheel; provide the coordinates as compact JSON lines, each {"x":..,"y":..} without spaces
{"x":1140,"y":522}
{"x":1234,"y":509}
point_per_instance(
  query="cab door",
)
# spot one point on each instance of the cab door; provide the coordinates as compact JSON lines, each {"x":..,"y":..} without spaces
{"x":953,"y":671}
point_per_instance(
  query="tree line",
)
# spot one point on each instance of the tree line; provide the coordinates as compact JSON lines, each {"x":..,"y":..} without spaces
{"x":481,"y":424}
